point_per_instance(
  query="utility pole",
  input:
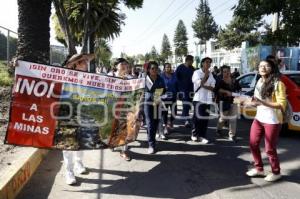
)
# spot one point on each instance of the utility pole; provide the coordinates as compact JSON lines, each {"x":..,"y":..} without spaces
{"x":7,"y":47}
{"x":88,"y":39}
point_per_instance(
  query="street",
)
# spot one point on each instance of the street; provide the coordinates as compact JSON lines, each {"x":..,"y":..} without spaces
{"x":180,"y":169}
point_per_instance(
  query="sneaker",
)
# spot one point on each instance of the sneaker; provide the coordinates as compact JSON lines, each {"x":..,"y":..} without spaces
{"x":232,"y":138}
{"x":160,"y":136}
{"x":125,"y":156}
{"x":203,"y":140}
{"x":166,"y":130}
{"x":187,"y":124}
{"x":70,"y":178}
{"x":272,"y":177}
{"x":255,"y":173}
{"x":194,"y":138}
{"x":163,"y":137}
{"x":79,"y":168}
{"x":151,"y":150}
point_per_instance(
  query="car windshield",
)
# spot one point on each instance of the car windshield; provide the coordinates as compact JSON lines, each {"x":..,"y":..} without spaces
{"x":295,"y":78}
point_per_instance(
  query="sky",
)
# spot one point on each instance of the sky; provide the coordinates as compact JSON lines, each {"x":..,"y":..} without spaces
{"x":143,"y":27}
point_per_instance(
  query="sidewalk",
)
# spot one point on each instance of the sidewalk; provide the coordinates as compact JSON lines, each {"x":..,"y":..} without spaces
{"x":181,"y":169}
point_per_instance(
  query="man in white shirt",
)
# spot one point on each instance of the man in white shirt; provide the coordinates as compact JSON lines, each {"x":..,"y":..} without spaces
{"x":204,"y":84}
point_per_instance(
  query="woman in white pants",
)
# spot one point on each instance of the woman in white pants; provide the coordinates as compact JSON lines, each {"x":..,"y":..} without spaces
{"x":73,"y":159}
{"x":73,"y":164}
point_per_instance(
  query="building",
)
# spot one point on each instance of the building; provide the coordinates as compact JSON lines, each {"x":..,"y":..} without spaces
{"x":221,"y":56}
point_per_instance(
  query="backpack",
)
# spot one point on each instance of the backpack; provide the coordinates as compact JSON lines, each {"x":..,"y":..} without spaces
{"x":287,"y":114}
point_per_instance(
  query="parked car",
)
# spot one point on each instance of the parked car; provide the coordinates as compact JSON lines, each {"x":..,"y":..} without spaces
{"x":291,"y":79}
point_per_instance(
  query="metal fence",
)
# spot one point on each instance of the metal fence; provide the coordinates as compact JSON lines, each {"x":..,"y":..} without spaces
{"x":8,"y":48}
{"x":8,"y":44}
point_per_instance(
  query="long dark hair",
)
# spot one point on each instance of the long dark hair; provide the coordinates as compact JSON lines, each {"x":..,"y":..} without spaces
{"x":269,"y":85}
{"x":150,"y":64}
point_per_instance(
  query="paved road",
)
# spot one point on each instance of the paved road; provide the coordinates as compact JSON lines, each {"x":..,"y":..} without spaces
{"x":181,"y":169}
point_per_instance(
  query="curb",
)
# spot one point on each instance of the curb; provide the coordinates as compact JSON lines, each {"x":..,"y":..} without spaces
{"x":15,"y":179}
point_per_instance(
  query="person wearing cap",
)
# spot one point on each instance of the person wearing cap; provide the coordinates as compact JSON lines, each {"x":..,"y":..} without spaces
{"x":73,"y":159}
{"x":121,"y":66}
{"x":204,"y":84}
{"x":184,"y":73}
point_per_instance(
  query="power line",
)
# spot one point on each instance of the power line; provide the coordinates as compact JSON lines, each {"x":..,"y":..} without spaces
{"x":169,"y":19}
{"x":220,"y":5}
{"x":150,"y":26}
{"x":182,"y":7}
{"x":220,"y":12}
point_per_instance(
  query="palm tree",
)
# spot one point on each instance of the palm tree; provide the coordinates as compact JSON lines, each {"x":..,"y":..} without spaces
{"x":34,"y":30}
{"x":103,"y":52}
{"x":101,"y":19}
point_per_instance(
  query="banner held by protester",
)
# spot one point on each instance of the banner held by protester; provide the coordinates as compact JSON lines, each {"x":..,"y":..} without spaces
{"x":67,"y":109}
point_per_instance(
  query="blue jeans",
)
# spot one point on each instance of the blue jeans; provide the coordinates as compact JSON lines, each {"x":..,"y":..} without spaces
{"x":186,"y":103}
{"x":170,"y":103}
{"x":152,"y":120}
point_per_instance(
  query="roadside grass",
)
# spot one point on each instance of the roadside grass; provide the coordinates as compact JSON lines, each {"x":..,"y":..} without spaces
{"x":5,"y":79}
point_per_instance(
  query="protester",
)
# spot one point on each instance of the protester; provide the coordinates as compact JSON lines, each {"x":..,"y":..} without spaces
{"x":170,"y":97}
{"x":155,"y":86}
{"x":204,"y":84}
{"x":184,"y":73}
{"x":236,"y":73}
{"x":272,"y":58}
{"x":224,"y":97}
{"x":281,"y":65}
{"x":270,"y":99}
{"x":122,"y":71}
{"x":73,"y":159}
{"x":216,"y":72}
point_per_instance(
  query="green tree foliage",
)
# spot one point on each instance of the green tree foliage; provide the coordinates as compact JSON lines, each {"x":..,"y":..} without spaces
{"x":103,"y":52}
{"x":239,"y":30}
{"x":180,"y":40}
{"x":204,"y":25}
{"x":101,"y":19}
{"x":3,"y":46}
{"x":154,"y":54}
{"x":147,"y":57}
{"x":289,"y":26}
{"x":165,"y":49}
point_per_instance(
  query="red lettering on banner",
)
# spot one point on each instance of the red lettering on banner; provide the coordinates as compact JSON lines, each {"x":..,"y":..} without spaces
{"x":58,"y":70}
{"x":38,"y":67}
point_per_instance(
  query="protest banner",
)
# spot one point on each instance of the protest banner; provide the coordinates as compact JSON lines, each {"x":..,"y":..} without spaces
{"x":60,"y":108}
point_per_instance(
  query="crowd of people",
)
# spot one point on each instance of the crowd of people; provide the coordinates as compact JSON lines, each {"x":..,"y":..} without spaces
{"x":198,"y":89}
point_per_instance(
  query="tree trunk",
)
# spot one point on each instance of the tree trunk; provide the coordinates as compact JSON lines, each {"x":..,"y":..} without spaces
{"x":65,"y":26}
{"x":92,"y":50}
{"x":34,"y":31}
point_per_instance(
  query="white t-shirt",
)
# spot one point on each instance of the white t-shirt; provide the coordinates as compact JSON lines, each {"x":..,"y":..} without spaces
{"x":203,"y":95}
{"x":264,"y":114}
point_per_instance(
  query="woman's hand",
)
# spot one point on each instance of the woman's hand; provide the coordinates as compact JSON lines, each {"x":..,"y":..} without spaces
{"x":256,"y":101}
